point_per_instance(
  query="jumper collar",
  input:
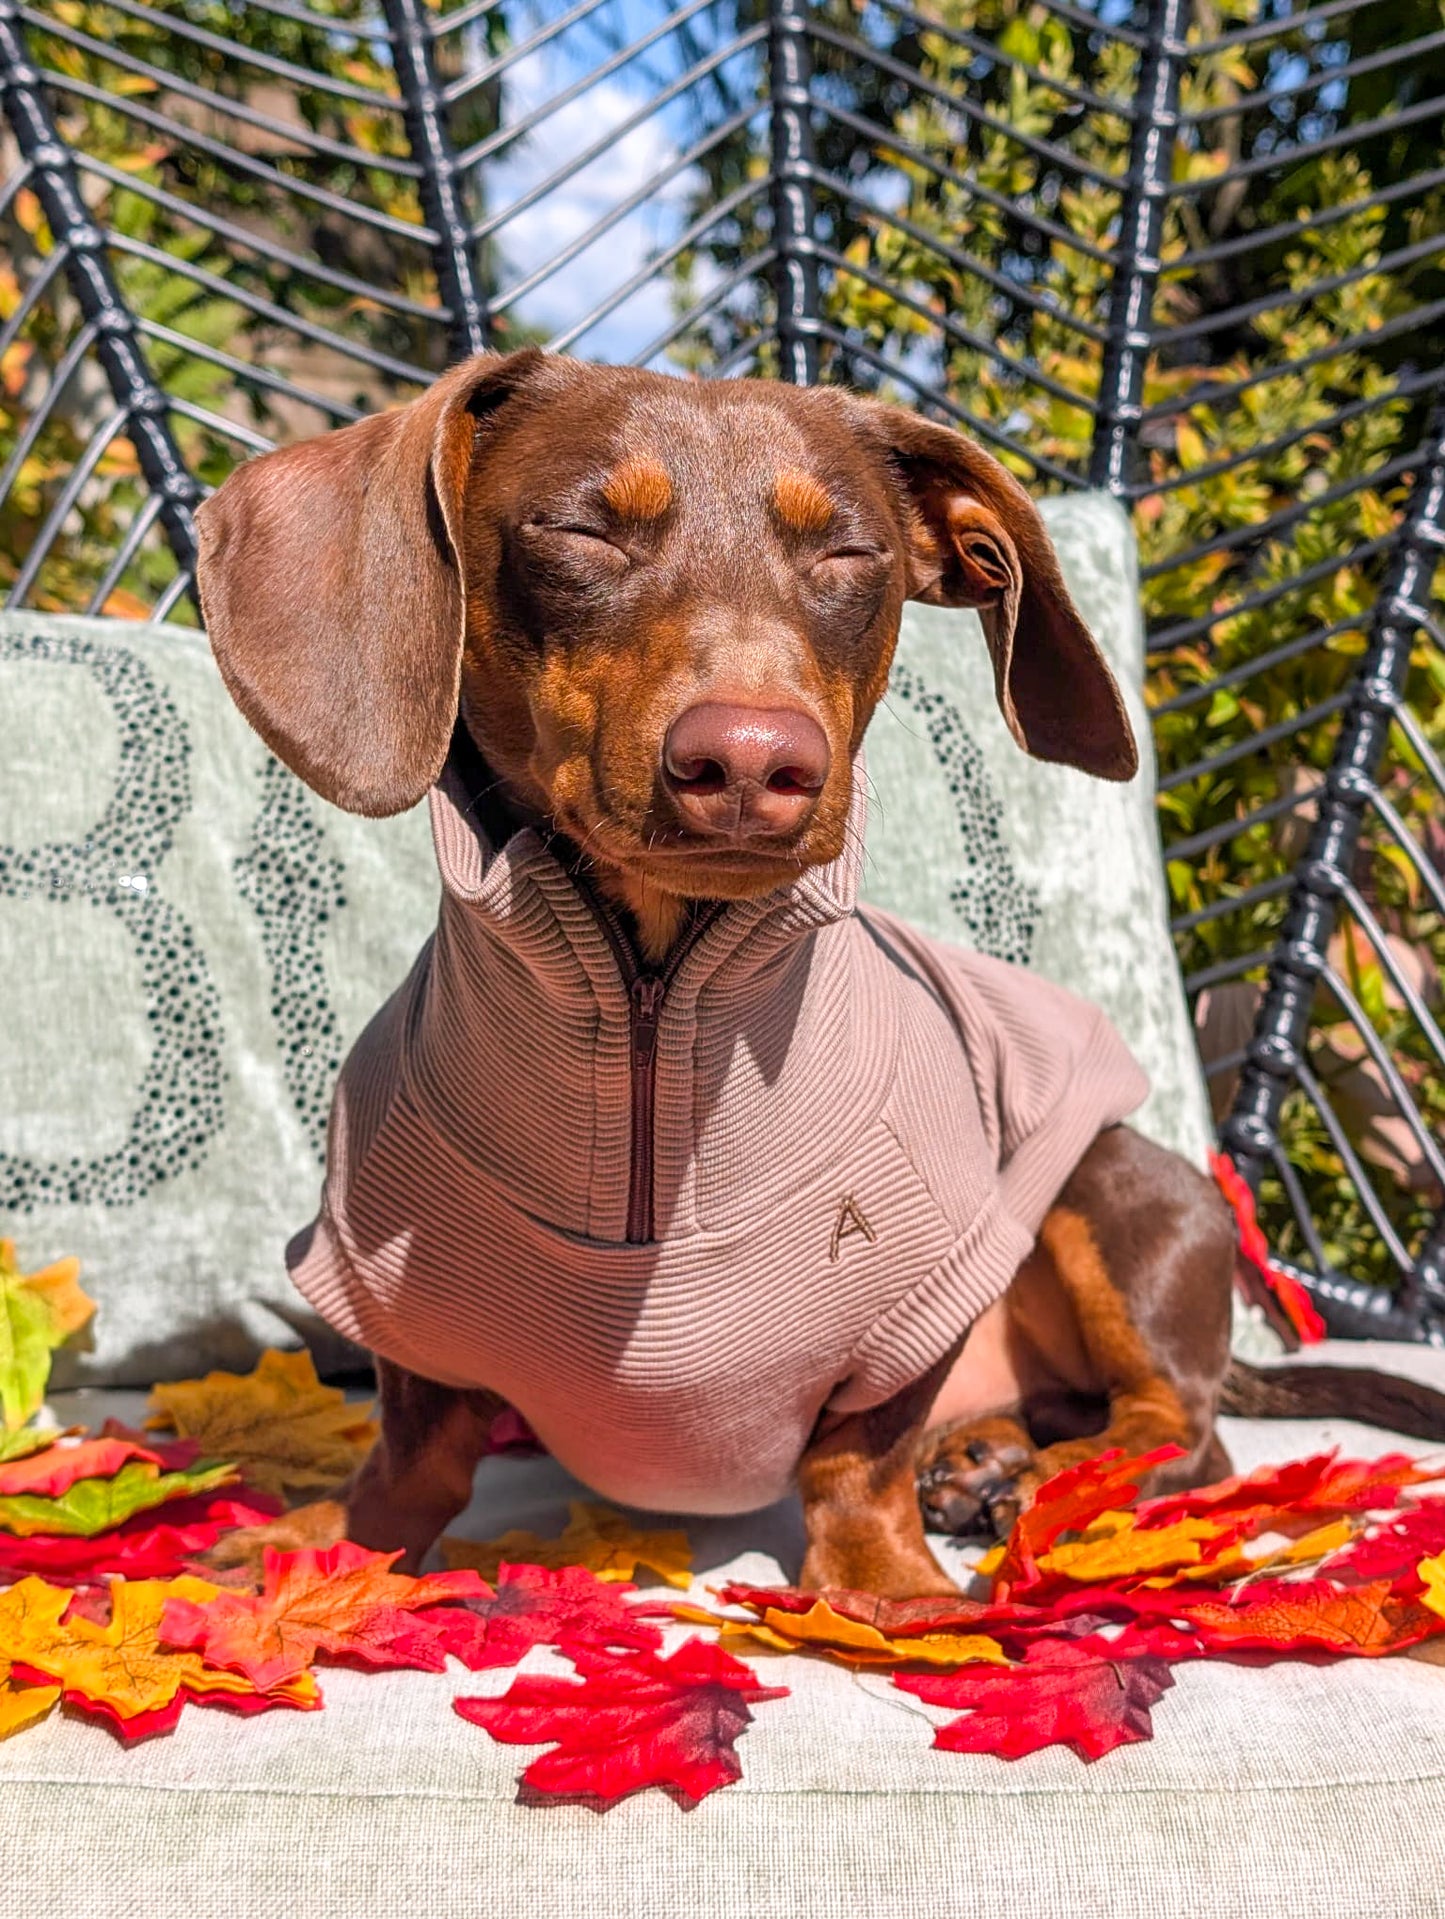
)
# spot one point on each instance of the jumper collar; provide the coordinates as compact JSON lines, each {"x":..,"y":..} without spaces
{"x":819,"y":896}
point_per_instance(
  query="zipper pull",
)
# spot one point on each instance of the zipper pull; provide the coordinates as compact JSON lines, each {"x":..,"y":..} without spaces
{"x":647,"y":994}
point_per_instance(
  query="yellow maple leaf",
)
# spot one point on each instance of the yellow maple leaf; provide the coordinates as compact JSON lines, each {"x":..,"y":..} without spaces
{"x":1237,"y":1563}
{"x":120,"y":1663}
{"x":21,"y":1706}
{"x":1115,"y":1548}
{"x":854,"y":1643}
{"x":59,"y":1286}
{"x":1318,"y":1544}
{"x":596,"y":1537}
{"x":1432,"y":1571}
{"x":285,"y":1431}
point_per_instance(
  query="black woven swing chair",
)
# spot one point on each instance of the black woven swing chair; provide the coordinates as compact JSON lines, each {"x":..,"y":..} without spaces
{"x":1190,"y":253}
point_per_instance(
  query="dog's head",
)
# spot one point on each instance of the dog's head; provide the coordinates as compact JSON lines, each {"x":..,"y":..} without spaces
{"x":666,"y":609}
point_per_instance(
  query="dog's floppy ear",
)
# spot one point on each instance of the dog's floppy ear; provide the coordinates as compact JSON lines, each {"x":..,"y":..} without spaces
{"x":331,"y":582}
{"x":975,"y":539}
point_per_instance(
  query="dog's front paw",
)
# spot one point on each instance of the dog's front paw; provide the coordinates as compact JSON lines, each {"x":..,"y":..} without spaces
{"x":974,"y":1480}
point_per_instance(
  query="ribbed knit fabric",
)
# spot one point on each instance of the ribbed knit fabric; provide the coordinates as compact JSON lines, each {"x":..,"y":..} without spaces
{"x":858,"y":1132}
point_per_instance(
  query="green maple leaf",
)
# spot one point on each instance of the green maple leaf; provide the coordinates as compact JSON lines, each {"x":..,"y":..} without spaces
{"x":93,"y":1506}
{"x":38,"y":1312}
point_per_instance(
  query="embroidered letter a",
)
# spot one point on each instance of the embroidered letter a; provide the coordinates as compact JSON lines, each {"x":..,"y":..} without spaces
{"x":850,"y":1224}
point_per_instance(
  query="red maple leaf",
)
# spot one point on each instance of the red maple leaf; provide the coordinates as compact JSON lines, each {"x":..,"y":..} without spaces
{"x":1305,"y":1490}
{"x":1083,"y":1693}
{"x":635,"y":1720}
{"x":176,"y":1455}
{"x":540,"y":1606}
{"x":344,"y":1603}
{"x":1393,"y":1549}
{"x":1068,"y":1503}
{"x":54,"y":1469}
{"x":141,"y":1547}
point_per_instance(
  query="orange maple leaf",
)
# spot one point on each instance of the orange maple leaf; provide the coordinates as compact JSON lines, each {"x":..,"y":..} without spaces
{"x":117,"y":1663}
{"x":21,"y":1706}
{"x":285,"y":1431}
{"x":597,"y":1537}
{"x":344,"y":1602}
{"x":851,"y":1642}
{"x":1282,"y":1615}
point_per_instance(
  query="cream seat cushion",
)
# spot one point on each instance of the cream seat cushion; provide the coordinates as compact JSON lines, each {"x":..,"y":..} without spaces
{"x":1309,"y":1789}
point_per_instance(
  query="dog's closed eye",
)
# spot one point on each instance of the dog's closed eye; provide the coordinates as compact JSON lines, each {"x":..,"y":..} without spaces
{"x":572,"y":545}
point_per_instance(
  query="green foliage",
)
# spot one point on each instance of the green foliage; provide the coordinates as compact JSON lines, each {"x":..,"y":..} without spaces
{"x":164,"y":194}
{"x":1241,"y":560}
{"x":972,"y":249}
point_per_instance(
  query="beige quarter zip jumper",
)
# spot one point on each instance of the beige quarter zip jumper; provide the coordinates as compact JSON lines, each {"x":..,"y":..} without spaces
{"x":670,"y":1220}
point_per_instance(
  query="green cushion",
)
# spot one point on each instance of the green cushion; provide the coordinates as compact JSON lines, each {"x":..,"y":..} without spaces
{"x":191,"y":940}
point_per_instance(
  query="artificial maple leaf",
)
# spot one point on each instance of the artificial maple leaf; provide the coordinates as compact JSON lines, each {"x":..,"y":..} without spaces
{"x":1068,"y":1614}
{"x":540,"y":1606}
{"x":596,"y":1537}
{"x":1068,"y":1502}
{"x":301,"y":1692}
{"x":30,"y":1614}
{"x":118,"y":1662}
{"x":1279,"y":1615}
{"x":927,"y":1614}
{"x":141,"y":1548}
{"x":344,"y":1602}
{"x":1393,"y":1548}
{"x":21,"y":1706}
{"x":1281,"y":1498}
{"x":48,"y":1471}
{"x":1073,"y":1692}
{"x":635,"y":1720}
{"x":286,"y":1431}
{"x":90,"y":1506}
{"x":174,"y":1454}
{"x":1114,"y":1548}
{"x":26,"y":1440}
{"x":1238,"y":1562}
{"x":1432,"y":1576}
{"x":38,"y":1312}
{"x":852,"y":1642}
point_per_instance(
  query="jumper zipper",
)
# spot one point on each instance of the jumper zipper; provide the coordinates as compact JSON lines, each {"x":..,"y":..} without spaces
{"x":644,"y":1011}
{"x":645,"y":994}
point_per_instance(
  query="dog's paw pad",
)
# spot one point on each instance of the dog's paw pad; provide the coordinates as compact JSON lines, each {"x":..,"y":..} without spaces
{"x":975,"y":1490}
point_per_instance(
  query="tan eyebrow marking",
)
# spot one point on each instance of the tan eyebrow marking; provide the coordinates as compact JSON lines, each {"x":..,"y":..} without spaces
{"x":638,"y":489}
{"x":801,"y":502}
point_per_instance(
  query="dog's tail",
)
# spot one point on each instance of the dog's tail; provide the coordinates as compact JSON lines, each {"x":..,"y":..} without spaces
{"x":1333,"y":1392}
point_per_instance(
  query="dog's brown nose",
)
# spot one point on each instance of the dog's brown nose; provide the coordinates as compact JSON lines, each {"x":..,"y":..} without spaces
{"x":746,"y":771}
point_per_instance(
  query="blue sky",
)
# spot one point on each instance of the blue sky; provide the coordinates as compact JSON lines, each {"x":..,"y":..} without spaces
{"x":539,"y":233}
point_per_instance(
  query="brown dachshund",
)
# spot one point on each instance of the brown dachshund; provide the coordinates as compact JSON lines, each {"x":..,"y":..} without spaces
{"x":663,"y":613}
